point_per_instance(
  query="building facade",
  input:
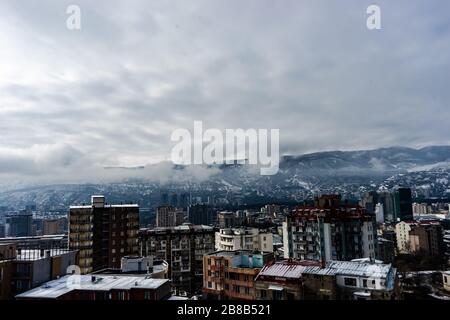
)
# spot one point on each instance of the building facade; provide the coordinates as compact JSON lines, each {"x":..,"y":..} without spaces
{"x":103,"y":233}
{"x":329,"y":231}
{"x":183,"y":248}
{"x":244,"y":239}
{"x":22,"y":270}
{"x":168,"y":216}
{"x":424,"y":237}
{"x":361,"y":279}
{"x":19,"y":225}
{"x":230,"y":275}
{"x":201,"y":214}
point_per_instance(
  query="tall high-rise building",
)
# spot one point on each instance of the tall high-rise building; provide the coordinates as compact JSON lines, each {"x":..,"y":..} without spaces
{"x":201,"y":214}
{"x":19,"y":225}
{"x":387,"y":200}
{"x":103,"y":233}
{"x":369,"y":201}
{"x":168,"y":216}
{"x":403,"y":204}
{"x":329,"y":231}
{"x":2,"y":231}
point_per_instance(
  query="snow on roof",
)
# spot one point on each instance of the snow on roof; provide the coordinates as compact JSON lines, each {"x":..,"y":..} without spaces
{"x":56,"y":288}
{"x":106,"y":206}
{"x":361,"y":267}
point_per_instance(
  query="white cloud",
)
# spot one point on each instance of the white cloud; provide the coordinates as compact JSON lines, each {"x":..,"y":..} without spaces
{"x":112,"y":93}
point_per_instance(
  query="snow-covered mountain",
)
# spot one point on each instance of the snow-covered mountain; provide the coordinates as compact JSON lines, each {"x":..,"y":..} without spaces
{"x":350,"y":173}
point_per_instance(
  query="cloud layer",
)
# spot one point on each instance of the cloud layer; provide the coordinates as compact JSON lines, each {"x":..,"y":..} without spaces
{"x":112,"y":93}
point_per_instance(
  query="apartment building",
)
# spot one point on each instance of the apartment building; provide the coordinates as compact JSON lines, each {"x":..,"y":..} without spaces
{"x":168,"y":216}
{"x":103,"y":233}
{"x":360,"y":279}
{"x":230,"y":275}
{"x":22,"y":270}
{"x":424,"y":237}
{"x":329,"y":231}
{"x":244,"y":239}
{"x":183,"y":248}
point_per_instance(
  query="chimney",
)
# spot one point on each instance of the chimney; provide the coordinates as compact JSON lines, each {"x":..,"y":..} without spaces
{"x":93,"y":279}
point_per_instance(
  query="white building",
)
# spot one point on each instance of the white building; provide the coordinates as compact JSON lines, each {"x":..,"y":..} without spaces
{"x":244,"y":239}
{"x":379,"y":213}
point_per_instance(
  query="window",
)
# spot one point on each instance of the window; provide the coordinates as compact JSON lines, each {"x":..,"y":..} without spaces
{"x":209,"y":273}
{"x":227,"y":286}
{"x":247,"y":290}
{"x":147,"y":295}
{"x":263,"y":294}
{"x":209,"y":284}
{"x":350,"y":282}
{"x":365,"y":283}
{"x":209,"y":262}
{"x":226,"y":263}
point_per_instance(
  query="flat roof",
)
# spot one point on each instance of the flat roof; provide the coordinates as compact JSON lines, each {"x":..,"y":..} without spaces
{"x":90,"y":206}
{"x":227,"y":253}
{"x":37,"y":254}
{"x":56,"y":288}
{"x":295,"y":269}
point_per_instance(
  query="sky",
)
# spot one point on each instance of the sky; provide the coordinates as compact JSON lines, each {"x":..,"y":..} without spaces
{"x":111,"y":93}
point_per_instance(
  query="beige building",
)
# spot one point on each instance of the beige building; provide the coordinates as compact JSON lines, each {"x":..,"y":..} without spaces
{"x":53,"y":226}
{"x":414,"y":237}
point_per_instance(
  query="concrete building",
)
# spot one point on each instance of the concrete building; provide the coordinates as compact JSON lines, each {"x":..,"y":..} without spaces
{"x":424,"y":237}
{"x":360,"y":279}
{"x":329,"y":231}
{"x":201,"y":214}
{"x":379,"y":213}
{"x":230,"y":275}
{"x":421,"y":208}
{"x":2,"y":231}
{"x":103,"y":233}
{"x":168,"y":216}
{"x":136,"y":265}
{"x":100,"y":287}
{"x":53,"y":226}
{"x":22,"y":270}
{"x":244,"y":239}
{"x":49,"y":242}
{"x":19,"y":225}
{"x":385,"y":250}
{"x":402,"y":205}
{"x":227,"y":219}
{"x":183,"y":248}
{"x":282,"y":280}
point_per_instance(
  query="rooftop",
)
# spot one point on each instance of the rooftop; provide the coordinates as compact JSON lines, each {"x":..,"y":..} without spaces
{"x":295,"y":269}
{"x":90,"y":206}
{"x":36,"y":254}
{"x":66,"y":284}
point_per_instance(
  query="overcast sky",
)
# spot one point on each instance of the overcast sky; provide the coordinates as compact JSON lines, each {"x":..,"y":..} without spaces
{"x":112,"y":92}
